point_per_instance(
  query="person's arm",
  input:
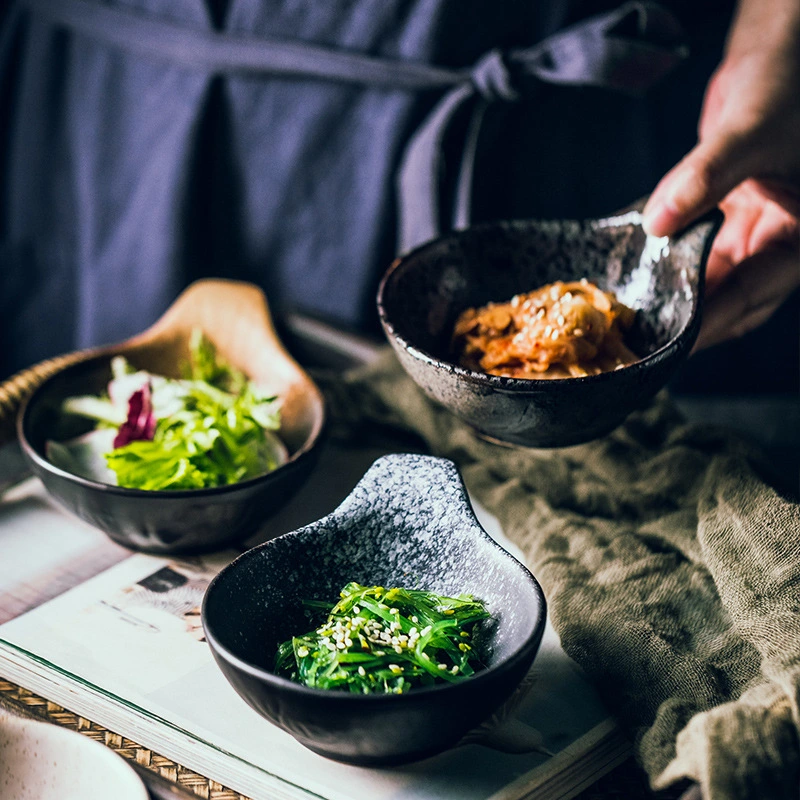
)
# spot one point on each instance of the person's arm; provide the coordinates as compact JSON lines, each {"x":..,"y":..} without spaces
{"x":747,"y":162}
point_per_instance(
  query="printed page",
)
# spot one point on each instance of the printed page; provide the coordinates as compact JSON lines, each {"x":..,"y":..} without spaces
{"x":45,"y":550}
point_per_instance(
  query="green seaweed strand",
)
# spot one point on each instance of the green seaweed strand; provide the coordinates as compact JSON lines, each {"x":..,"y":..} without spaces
{"x":387,"y":641}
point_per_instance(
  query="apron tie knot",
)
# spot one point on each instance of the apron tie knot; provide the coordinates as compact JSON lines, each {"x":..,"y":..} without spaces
{"x":626,"y":50}
{"x":492,"y":79}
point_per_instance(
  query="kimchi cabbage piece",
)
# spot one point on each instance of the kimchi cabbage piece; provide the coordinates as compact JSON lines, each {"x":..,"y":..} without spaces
{"x":562,"y":330}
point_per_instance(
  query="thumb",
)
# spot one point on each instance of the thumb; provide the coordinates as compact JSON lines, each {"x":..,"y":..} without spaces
{"x":699,"y":182}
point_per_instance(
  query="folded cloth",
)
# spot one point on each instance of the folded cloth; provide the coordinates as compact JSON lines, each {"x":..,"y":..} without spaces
{"x":671,"y":570}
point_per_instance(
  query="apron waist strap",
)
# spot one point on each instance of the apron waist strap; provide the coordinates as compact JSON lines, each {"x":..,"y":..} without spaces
{"x":220,"y":52}
{"x":628,"y":49}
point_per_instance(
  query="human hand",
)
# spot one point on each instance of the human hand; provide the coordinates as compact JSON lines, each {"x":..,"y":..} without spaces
{"x":747,"y":162}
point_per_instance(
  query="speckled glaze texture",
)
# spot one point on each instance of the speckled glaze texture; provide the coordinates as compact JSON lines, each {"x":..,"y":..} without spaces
{"x":193,"y":521}
{"x":423,"y":293}
{"x":407,"y":523}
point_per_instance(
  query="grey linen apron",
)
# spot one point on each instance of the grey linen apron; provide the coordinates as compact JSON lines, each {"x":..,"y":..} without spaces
{"x":147,"y":144}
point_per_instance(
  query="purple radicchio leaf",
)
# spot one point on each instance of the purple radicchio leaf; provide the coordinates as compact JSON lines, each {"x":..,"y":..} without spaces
{"x":141,"y":422}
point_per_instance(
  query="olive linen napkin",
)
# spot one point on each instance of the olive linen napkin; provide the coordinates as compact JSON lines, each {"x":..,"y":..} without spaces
{"x":671,"y":570}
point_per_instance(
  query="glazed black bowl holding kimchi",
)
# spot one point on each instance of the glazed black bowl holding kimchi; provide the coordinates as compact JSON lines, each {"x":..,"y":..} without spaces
{"x":499,"y":322}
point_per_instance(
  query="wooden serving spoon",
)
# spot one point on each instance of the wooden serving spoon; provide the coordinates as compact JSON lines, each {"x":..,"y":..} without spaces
{"x":236,"y":318}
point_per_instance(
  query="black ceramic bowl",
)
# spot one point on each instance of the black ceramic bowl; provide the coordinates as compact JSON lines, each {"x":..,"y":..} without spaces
{"x":407,"y":523}
{"x":422,"y":294}
{"x":188,"y":521}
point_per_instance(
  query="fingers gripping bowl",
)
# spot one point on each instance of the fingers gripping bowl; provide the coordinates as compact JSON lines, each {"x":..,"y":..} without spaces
{"x":236,"y":319}
{"x":408,"y":523}
{"x":423,"y":293}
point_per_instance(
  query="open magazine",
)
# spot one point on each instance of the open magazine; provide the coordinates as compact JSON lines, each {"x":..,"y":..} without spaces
{"x":116,"y":637}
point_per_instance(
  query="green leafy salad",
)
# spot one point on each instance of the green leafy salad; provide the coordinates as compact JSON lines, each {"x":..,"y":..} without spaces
{"x":388,"y":641}
{"x":212,"y":427}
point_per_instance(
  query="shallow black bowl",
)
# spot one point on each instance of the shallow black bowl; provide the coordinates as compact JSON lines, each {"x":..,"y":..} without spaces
{"x":161,"y":522}
{"x":407,"y":523}
{"x":422,"y":294}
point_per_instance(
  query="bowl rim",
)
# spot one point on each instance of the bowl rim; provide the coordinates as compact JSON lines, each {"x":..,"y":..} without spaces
{"x":529,"y":647}
{"x":41,"y":462}
{"x":683,"y":339}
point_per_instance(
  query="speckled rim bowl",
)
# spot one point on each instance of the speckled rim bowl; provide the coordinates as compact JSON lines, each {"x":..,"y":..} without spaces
{"x":423,"y":292}
{"x":407,"y":523}
{"x":164,"y":522}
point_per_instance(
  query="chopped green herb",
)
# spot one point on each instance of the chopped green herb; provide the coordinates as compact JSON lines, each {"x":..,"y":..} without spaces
{"x":387,"y":641}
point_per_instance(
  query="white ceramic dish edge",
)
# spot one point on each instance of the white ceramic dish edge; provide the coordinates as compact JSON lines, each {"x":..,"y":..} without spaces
{"x":40,"y":761}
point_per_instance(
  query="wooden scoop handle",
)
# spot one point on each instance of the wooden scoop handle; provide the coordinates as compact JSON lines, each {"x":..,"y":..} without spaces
{"x":233,"y":314}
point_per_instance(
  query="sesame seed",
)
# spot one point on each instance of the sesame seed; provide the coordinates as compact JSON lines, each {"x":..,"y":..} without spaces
{"x":302,"y":652}
{"x":396,"y":668}
{"x":362,"y":672}
{"x":554,"y":335}
{"x":442,"y":666}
